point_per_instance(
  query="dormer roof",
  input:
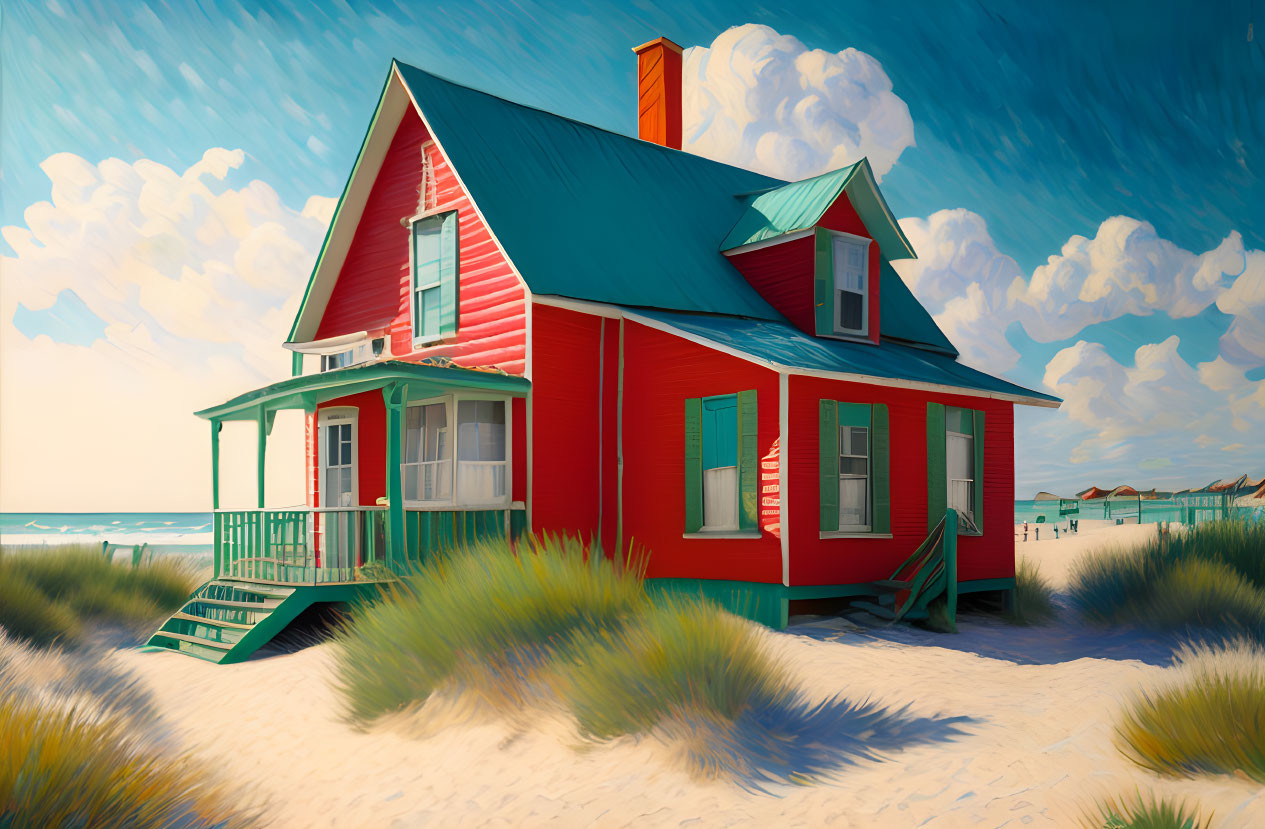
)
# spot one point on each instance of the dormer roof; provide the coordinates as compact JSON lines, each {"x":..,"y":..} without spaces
{"x":799,"y":206}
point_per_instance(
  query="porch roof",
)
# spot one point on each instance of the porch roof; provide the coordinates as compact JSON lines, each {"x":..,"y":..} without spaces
{"x":420,"y":380}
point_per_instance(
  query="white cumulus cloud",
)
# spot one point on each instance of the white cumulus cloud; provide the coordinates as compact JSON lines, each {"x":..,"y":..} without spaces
{"x":765,"y":101}
{"x":197,"y":285}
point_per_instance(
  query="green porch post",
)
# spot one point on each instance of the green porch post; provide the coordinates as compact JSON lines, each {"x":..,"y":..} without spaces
{"x":394,"y":396}
{"x":215,"y":495}
{"x":261,"y":421}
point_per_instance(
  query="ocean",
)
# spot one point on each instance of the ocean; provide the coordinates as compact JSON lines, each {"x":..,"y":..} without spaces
{"x":169,"y":531}
{"x":191,"y":531}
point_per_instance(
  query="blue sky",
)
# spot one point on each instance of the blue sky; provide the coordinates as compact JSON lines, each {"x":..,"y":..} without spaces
{"x":1042,"y":120}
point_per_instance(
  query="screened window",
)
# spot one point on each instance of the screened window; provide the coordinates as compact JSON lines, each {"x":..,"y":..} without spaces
{"x":456,"y":452}
{"x":434,"y":259}
{"x":338,"y":464}
{"x":854,"y":478}
{"x":427,"y":454}
{"x":960,"y":461}
{"x":850,"y":260}
{"x":720,"y":463}
{"x":482,"y":465}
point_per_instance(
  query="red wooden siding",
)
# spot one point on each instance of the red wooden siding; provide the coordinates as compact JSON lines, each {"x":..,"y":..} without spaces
{"x":610,"y":435}
{"x":565,"y":480}
{"x":848,"y":560}
{"x":372,"y":291}
{"x":660,"y":372}
{"x":783,"y":275}
{"x":518,"y":461}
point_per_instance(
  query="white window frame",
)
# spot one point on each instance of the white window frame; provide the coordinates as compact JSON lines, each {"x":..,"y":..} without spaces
{"x":414,"y":288}
{"x":974,"y":480}
{"x":450,"y":402}
{"x":338,"y":415}
{"x":837,"y":238}
{"x":869,"y":468}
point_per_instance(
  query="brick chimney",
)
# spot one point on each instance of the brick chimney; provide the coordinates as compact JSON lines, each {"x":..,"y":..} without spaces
{"x":659,"y":92}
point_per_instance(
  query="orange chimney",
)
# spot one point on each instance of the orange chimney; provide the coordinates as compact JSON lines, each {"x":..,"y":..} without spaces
{"x":659,"y":92}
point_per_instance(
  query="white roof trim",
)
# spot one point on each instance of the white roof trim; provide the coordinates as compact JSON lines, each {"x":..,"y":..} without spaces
{"x":768,"y":243}
{"x":604,"y":310}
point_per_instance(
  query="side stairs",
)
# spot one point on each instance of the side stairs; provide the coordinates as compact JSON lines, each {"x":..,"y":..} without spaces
{"x":226,"y":620}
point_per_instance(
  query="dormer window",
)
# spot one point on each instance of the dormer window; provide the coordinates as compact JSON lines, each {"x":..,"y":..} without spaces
{"x":851,"y":278}
{"x":433,"y":261}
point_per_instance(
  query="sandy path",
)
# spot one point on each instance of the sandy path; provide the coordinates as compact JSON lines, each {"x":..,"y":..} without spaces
{"x":1035,"y":748}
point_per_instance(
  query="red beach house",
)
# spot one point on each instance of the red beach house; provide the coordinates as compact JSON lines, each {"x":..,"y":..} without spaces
{"x":519,"y":321}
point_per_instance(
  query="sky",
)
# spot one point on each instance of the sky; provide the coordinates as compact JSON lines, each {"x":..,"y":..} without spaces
{"x":1084,"y":183}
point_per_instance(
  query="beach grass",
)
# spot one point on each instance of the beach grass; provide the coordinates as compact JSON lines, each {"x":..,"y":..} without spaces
{"x":1210,"y":720}
{"x":1033,"y":600}
{"x":49,"y":594}
{"x":680,"y":658}
{"x":548,"y":629}
{"x":1208,"y":580}
{"x":1139,"y":812}
{"x":484,"y":620}
{"x":61,"y":768}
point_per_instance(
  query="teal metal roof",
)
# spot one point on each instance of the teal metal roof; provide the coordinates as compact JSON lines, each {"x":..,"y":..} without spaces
{"x":902,"y":317}
{"x":591,"y":214}
{"x":785,"y":345}
{"x":305,"y":391}
{"x":801,"y":204}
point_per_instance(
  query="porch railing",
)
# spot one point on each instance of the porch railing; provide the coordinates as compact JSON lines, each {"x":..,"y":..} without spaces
{"x":327,"y":545}
{"x":320,"y":545}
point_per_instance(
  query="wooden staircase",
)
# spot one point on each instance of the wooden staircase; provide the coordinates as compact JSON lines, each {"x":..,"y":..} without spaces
{"x":226,"y":620}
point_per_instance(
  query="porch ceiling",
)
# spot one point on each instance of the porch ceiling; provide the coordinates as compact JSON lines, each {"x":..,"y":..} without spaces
{"x":308,"y":390}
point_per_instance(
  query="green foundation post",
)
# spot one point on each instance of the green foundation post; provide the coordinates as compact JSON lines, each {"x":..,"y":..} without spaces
{"x":215,"y":495}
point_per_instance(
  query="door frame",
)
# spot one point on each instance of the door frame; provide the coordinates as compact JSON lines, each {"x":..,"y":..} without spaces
{"x":337,"y":415}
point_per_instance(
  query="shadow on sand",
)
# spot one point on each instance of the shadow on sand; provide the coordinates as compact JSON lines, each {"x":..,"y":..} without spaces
{"x":796,"y":741}
{"x":1065,"y":639}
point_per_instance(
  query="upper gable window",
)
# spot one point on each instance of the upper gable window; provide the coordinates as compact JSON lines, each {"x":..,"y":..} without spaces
{"x":841,"y":285}
{"x":850,"y":260}
{"x":434,"y":264}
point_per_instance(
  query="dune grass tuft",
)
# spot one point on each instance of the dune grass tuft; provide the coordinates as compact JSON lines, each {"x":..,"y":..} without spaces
{"x":1033,"y":600}
{"x":1139,"y":812}
{"x":1209,"y":579}
{"x":1210,"y":720}
{"x":47,"y":594}
{"x":482,"y":619}
{"x":58,"y":768}
{"x":682,"y":657}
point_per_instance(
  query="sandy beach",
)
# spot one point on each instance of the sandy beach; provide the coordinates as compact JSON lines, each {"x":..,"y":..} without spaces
{"x":996,"y":726}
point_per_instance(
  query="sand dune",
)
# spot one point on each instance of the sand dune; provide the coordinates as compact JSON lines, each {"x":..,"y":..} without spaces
{"x":1003,"y":727}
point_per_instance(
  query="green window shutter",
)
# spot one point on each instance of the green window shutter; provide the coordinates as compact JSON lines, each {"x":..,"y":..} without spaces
{"x":448,"y":275}
{"x":828,"y":465}
{"x":693,"y":465}
{"x":937,"y":474}
{"x":979,"y":470}
{"x":880,"y":493}
{"x":748,"y":462}
{"x":823,"y":283}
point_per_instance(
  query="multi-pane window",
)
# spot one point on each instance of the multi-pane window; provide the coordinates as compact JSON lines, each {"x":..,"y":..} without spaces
{"x":465,"y":466}
{"x":850,"y":285}
{"x":434,"y":261}
{"x":853,"y":468}
{"x":338,"y":486}
{"x":720,"y":463}
{"x":426,"y":278}
{"x":427,"y":454}
{"x":854,"y":478}
{"x":960,"y":460}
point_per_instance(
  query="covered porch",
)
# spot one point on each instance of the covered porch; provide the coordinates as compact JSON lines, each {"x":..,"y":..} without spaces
{"x":445,"y":451}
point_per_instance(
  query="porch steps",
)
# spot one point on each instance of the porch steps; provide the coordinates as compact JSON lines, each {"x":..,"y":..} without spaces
{"x":227,"y":620}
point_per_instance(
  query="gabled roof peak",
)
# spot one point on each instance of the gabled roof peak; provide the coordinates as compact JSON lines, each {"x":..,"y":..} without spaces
{"x":799,"y":205}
